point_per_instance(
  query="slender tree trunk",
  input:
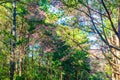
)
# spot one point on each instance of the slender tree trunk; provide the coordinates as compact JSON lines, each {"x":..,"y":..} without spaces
{"x":21,"y":51}
{"x":13,"y":43}
{"x":116,"y":71}
{"x":20,"y":61}
{"x":61,"y":76}
{"x":20,"y":71}
{"x":116,"y":67}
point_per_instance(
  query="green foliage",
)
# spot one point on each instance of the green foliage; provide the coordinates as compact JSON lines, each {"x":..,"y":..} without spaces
{"x":56,"y":53}
{"x":72,"y":36}
{"x":108,"y":70}
{"x":69,"y":65}
{"x":44,"y":5}
{"x":51,"y":18}
{"x":70,"y":3}
{"x":21,"y":9}
{"x":21,"y":41}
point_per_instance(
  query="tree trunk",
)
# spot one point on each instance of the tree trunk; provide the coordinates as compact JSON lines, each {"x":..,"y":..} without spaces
{"x":20,"y":62}
{"x":61,"y":76}
{"x":116,"y":67}
{"x":116,"y":71}
{"x":13,"y":43}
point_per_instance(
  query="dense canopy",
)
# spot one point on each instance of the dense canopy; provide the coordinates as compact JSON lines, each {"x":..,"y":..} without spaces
{"x":59,"y":39}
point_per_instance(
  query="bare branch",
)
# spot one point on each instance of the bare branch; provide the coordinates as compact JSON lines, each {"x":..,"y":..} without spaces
{"x":109,"y":17}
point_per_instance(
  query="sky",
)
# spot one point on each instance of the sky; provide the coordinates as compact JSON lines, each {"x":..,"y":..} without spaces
{"x":63,"y":20}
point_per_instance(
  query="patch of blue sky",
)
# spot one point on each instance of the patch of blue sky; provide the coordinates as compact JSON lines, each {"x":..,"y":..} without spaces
{"x":92,"y":38}
{"x":93,"y":41}
{"x":55,"y":10}
{"x":64,"y":20}
{"x":83,"y":23}
{"x":95,"y":46}
{"x":30,"y":47}
{"x":35,"y":54}
{"x":33,"y":48}
{"x":30,"y":54}
{"x":96,"y":18}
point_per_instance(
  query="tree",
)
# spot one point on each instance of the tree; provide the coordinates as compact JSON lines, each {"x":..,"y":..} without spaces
{"x":13,"y":43}
{"x":39,"y":43}
{"x":103,"y":10}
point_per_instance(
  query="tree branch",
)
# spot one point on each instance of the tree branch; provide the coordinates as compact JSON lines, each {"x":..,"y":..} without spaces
{"x":109,"y":17}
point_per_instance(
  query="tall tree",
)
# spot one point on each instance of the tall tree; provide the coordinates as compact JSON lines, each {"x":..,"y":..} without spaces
{"x":13,"y":43}
{"x":102,"y":17}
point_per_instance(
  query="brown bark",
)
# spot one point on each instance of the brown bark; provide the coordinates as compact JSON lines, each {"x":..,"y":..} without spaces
{"x":116,"y":71}
{"x":20,"y":71}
